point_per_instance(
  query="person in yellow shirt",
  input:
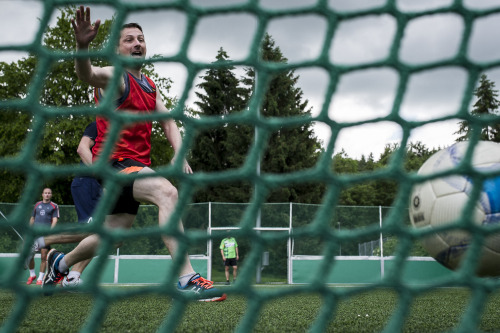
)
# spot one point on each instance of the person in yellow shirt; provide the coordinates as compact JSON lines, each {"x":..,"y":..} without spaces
{"x":230,"y":256}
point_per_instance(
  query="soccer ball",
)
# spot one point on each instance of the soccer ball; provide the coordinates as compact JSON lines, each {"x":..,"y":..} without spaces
{"x":441,"y":201}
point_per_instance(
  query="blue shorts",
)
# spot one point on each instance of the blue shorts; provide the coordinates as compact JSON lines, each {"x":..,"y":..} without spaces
{"x":86,"y":192}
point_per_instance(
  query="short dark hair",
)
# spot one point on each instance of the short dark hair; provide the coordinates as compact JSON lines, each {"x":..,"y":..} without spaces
{"x":132,"y":25}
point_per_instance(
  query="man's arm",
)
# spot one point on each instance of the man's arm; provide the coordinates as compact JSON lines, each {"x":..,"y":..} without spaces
{"x":54,"y":222}
{"x":222,"y":254}
{"x":84,"y":151}
{"x":172,"y":133}
{"x":85,"y":32}
{"x":32,"y":218}
{"x":237,"y":254}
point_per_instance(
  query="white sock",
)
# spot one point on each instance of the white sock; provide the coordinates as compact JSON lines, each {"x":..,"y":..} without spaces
{"x":32,"y":272}
{"x":74,"y":274}
{"x":63,"y":267}
{"x":183,"y":280}
{"x":40,"y":276}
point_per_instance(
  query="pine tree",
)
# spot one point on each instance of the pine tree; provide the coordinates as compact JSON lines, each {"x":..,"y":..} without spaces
{"x":224,"y":147}
{"x":487,"y":103}
{"x":289,"y":149}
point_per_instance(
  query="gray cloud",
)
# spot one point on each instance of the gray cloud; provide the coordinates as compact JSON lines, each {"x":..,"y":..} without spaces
{"x":363,"y":40}
{"x":364,"y":95}
{"x":422,"y":5}
{"x":233,"y":32}
{"x":308,"y":33}
{"x":484,"y":41}
{"x":361,"y":95}
{"x":431,"y":38}
{"x":434,"y":93}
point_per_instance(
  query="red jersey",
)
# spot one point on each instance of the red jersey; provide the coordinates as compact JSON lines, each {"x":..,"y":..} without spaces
{"x":135,"y":139}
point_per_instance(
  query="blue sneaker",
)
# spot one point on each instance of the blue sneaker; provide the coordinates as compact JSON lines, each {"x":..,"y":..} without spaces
{"x":203,"y":289}
{"x":53,"y":275}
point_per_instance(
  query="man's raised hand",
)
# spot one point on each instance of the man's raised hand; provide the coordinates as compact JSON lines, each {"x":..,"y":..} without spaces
{"x":85,"y":32}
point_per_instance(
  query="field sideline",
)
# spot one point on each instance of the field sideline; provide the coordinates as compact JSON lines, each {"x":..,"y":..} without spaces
{"x":367,"y":311}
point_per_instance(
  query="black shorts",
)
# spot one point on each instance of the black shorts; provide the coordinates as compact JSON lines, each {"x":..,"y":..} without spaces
{"x":126,"y":202}
{"x":231,"y":262}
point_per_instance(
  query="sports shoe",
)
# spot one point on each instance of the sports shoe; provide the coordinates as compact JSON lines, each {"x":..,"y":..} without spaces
{"x":71,"y":282}
{"x":203,"y":289}
{"x":39,"y":282}
{"x":31,"y":279}
{"x":228,"y":283}
{"x":53,"y":275}
{"x":31,"y":254}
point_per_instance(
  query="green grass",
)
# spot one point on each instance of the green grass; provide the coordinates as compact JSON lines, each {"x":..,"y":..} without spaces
{"x":280,"y":311}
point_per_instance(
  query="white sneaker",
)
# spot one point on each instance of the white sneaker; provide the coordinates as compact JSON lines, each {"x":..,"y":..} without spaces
{"x":71,"y":282}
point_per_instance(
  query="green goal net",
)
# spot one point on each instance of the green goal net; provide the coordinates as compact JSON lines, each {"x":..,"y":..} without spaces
{"x":322,"y":225}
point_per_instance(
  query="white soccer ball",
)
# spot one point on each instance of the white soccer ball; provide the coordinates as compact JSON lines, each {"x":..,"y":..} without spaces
{"x":441,"y":201}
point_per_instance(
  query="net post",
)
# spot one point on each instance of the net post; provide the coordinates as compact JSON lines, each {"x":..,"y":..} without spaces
{"x":117,"y":265}
{"x":209,"y":243}
{"x":381,"y":243}
{"x":289,"y":248}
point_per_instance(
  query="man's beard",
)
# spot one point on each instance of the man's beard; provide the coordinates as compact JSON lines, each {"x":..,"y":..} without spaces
{"x":137,"y":65}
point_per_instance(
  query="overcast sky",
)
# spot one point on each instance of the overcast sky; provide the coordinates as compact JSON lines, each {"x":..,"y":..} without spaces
{"x":361,"y":95}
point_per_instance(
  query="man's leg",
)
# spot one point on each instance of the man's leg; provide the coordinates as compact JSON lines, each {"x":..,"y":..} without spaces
{"x":31,"y":267}
{"x":226,"y":271}
{"x":87,"y":248}
{"x":235,"y":270}
{"x":73,"y":278}
{"x":43,"y":241}
{"x":86,"y":193}
{"x":60,"y":263}
{"x":59,"y":239}
{"x":80,"y":266}
{"x":32,"y":264}
{"x":160,"y":192}
{"x":43,"y":265}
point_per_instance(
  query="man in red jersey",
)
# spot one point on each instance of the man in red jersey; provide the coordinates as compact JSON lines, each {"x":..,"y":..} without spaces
{"x":131,"y":153}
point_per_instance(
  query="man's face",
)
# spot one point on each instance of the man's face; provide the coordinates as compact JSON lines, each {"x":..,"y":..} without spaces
{"x":47,"y":194}
{"x":132,"y":43}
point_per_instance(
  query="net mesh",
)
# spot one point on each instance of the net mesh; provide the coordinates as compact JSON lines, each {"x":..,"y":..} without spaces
{"x":320,"y":224}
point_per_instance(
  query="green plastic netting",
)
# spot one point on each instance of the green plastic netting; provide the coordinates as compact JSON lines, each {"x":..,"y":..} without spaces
{"x":322,"y":172}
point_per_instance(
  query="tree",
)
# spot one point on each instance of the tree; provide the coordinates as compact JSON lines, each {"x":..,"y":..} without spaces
{"x":61,"y":88}
{"x":487,"y":103}
{"x":225,"y":146}
{"x":416,"y":154}
{"x":363,"y":194}
{"x":61,"y":134}
{"x":379,"y":192}
{"x":291,"y":148}
{"x":366,"y":165}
